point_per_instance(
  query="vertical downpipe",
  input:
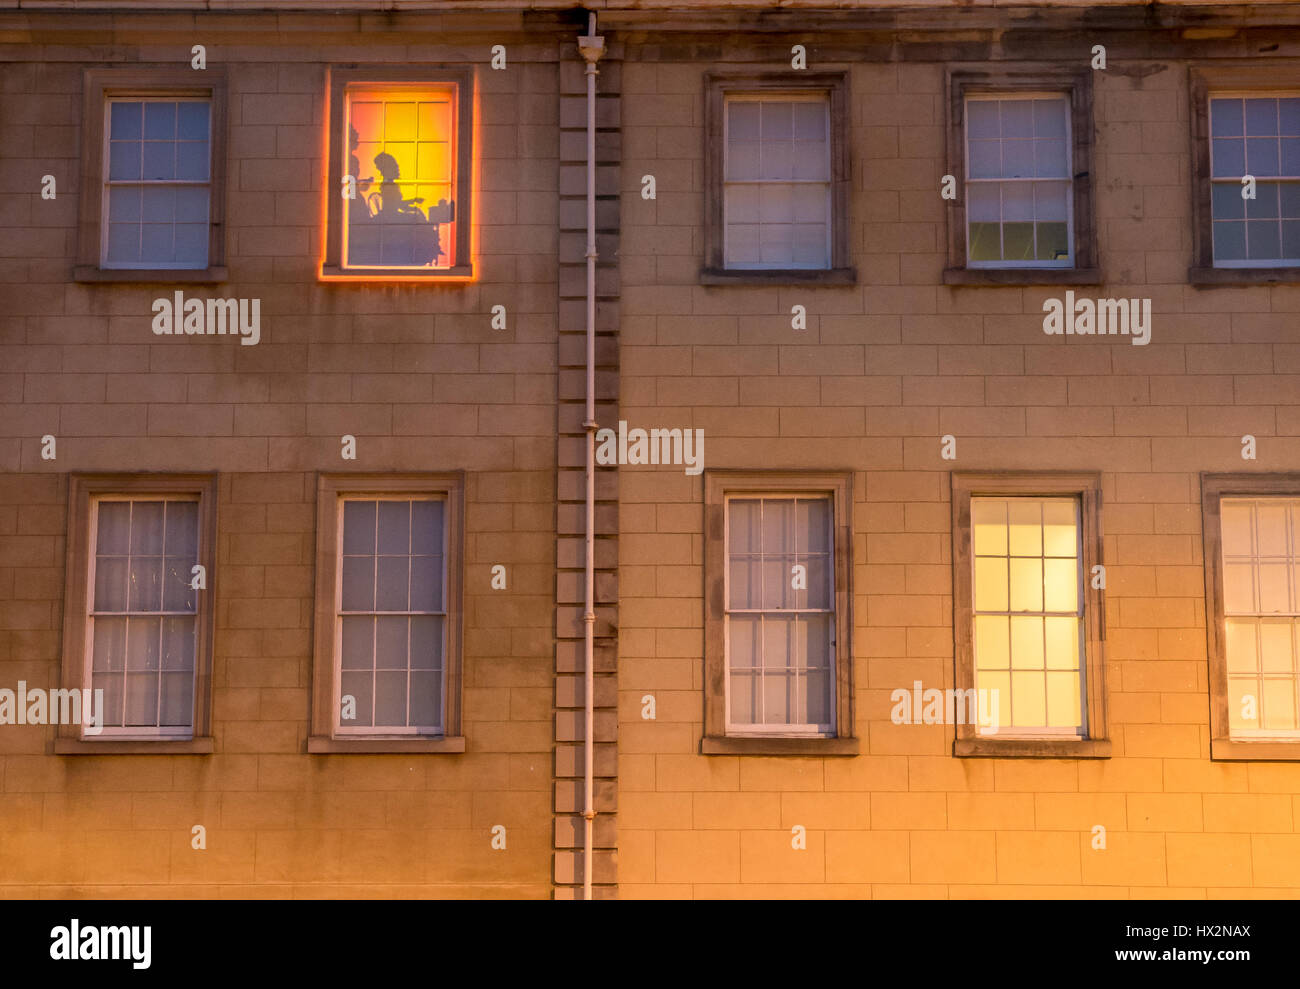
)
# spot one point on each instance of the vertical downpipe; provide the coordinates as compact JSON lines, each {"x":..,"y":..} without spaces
{"x":591,"y":47}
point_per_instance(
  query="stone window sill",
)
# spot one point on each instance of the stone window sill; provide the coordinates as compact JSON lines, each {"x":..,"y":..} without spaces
{"x":1242,"y":276}
{"x":779,"y":276}
{"x":90,"y":273}
{"x":134,"y":746}
{"x":1032,"y":748}
{"x":323,"y":745}
{"x":1232,"y":750}
{"x":335,"y":273}
{"x":757,"y":745}
{"x":1022,"y":276}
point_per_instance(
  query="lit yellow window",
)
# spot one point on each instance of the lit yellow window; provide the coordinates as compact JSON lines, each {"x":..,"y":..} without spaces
{"x":1261,"y":602}
{"x":1029,"y":612}
{"x":400,"y":152}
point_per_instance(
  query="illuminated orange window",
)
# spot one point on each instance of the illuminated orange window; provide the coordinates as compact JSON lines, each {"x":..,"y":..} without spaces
{"x":398,"y":205}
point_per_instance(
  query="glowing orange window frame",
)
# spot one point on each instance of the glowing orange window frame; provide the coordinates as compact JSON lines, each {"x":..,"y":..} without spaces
{"x":402,"y":138}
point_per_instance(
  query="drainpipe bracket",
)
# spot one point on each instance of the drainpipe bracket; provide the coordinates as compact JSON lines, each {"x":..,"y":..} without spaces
{"x":591,"y":48}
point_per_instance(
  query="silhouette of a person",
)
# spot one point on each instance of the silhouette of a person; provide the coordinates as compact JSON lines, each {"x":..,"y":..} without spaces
{"x":357,"y":205}
{"x":391,"y":202}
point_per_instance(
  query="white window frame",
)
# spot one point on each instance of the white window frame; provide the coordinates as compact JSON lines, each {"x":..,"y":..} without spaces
{"x":1002,"y":96}
{"x":390,"y":731}
{"x":779,"y":96}
{"x":109,"y":183}
{"x":789,"y":730}
{"x":1244,"y":94}
{"x":138,"y":732}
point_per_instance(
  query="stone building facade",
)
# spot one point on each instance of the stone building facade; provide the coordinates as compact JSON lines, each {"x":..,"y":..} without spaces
{"x":809,"y":260}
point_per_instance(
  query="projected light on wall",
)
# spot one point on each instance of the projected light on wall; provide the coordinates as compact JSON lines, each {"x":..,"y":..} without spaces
{"x":401,"y":151}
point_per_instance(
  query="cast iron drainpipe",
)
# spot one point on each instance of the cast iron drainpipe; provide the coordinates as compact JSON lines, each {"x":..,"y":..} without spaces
{"x":592,"y":48}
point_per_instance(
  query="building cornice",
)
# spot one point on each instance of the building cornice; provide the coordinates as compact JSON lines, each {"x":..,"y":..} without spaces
{"x":685,"y":16}
{"x":614,"y":12}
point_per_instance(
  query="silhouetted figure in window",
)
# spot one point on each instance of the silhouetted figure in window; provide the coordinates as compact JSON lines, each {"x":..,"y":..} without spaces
{"x":386,"y":228}
{"x":407,"y":238}
{"x":363,"y":239}
{"x":391,"y":201}
{"x":358,"y":202}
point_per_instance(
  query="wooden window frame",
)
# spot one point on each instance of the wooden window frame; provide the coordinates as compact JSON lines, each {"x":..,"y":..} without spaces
{"x":1215,"y":487}
{"x":153,"y":81}
{"x":338,"y":79}
{"x":718,"y":484}
{"x":1086,"y":486}
{"x":331,"y":488}
{"x":82,"y":488}
{"x":1266,"y":77}
{"x":716,"y":87}
{"x":1076,"y":85}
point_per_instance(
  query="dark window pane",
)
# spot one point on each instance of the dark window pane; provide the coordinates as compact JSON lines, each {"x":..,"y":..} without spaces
{"x":358,"y":583}
{"x":394,"y":527}
{"x":1264,"y":239}
{"x":156,"y":242}
{"x":110,"y":583}
{"x":182,"y":528}
{"x":1265,"y":204}
{"x":394,"y":574}
{"x":177,"y":699}
{"x":985,"y":242}
{"x":390,"y":643}
{"x":159,"y":121}
{"x":426,"y":643}
{"x":358,"y":527}
{"x":1226,"y":118}
{"x":178,"y":576}
{"x":142,"y":699}
{"x":1226,"y":202}
{"x":159,"y":160}
{"x":1261,"y":117}
{"x":1017,"y":118}
{"x":1229,"y":158}
{"x":110,"y":645}
{"x":178,"y":644}
{"x":192,"y":158}
{"x":125,"y":121}
{"x":1053,"y":245}
{"x":1230,"y":241}
{"x":192,"y":121}
{"x":1288,"y":112}
{"x":426,"y":527}
{"x":124,"y":160}
{"x":426,"y":583}
{"x":985,"y":160}
{"x":1262,"y":156}
{"x":359,"y":687}
{"x":1291,"y":239}
{"x":1290,"y":164}
{"x":111,"y":709}
{"x":426,"y":700}
{"x":1018,"y":241}
{"x":358,"y":643}
{"x":390,"y":699}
